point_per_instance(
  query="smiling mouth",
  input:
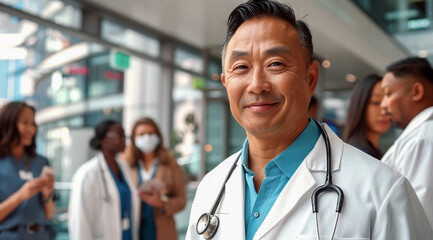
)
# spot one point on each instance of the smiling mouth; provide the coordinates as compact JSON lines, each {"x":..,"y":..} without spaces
{"x":260,"y":107}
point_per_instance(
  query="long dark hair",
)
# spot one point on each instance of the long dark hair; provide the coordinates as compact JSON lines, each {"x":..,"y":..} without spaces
{"x":356,"y":127}
{"x":164,"y":155}
{"x":9,"y":131}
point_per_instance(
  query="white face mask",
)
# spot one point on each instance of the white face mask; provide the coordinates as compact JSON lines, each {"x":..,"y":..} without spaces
{"x":147,"y":143}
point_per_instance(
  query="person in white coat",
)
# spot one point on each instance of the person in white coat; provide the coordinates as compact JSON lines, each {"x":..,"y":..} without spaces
{"x":104,"y":203}
{"x":270,"y":75}
{"x":408,"y":86}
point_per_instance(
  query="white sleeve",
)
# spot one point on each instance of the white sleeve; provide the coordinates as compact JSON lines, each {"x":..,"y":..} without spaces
{"x":418,"y":169}
{"x":401,"y":215}
{"x":81,"y":210}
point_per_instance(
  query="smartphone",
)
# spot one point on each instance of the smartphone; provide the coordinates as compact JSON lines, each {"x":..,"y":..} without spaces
{"x":148,"y":185}
{"x":47,"y":170}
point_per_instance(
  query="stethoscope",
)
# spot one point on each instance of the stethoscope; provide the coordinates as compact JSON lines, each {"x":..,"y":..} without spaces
{"x":107,"y":196}
{"x":208,"y":223}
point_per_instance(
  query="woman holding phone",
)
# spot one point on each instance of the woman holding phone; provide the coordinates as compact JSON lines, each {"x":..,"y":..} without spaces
{"x":26,"y":202}
{"x":159,"y":178}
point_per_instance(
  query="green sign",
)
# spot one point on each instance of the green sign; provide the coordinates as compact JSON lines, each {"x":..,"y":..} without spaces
{"x":198,"y":83}
{"x":119,"y":60}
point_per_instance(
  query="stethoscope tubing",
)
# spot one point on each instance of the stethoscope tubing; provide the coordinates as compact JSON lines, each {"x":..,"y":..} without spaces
{"x":208,"y":229}
{"x":107,"y":196}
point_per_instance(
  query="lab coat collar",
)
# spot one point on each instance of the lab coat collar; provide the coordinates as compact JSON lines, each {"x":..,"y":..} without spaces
{"x":316,"y":159}
{"x":425,"y":115}
{"x":302,"y":181}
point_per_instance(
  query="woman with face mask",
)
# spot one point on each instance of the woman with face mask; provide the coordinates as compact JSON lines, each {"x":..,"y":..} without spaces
{"x":159,"y":179}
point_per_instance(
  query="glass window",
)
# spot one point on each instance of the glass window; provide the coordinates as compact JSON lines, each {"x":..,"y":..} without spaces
{"x":188,"y":60}
{"x":214,"y":72}
{"x":53,"y":10}
{"x":103,"y":79}
{"x":187,"y":104}
{"x":129,"y":38}
{"x":397,"y":16}
{"x":215,"y":134}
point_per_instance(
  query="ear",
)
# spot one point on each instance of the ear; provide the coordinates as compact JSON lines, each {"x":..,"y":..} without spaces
{"x":417,"y":91}
{"x":223,"y":79}
{"x":312,"y":76}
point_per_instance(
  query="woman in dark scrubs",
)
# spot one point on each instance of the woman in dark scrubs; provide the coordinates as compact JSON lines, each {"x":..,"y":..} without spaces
{"x":26,"y":203}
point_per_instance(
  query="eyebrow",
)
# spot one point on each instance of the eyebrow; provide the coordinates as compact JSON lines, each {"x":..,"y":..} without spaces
{"x":236,"y":54}
{"x":275,"y":50}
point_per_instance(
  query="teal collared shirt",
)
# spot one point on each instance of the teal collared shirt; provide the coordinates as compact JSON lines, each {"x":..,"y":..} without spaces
{"x":277,"y":173}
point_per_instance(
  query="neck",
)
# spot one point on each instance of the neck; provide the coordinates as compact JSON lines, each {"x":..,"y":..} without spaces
{"x":373,"y":138}
{"x":18,"y":152}
{"x":263,"y":149}
{"x":148,"y":159}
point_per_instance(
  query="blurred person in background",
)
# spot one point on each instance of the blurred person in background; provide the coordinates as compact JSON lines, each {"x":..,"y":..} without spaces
{"x":104,"y":203}
{"x":159,"y":178}
{"x":408,"y":87}
{"x":26,"y":194}
{"x":366,"y":121}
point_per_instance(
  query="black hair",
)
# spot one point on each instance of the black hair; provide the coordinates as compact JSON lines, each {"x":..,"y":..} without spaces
{"x":259,"y":8}
{"x":8,"y":128}
{"x":100,"y":133}
{"x":412,"y":66}
{"x":356,"y":127}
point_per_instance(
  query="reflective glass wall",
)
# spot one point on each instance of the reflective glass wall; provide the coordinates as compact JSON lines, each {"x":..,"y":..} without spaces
{"x":76,"y":79}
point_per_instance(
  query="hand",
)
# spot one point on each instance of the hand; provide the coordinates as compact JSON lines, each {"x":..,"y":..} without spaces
{"x":31,"y":187}
{"x":151,"y":198}
{"x":49,"y":185}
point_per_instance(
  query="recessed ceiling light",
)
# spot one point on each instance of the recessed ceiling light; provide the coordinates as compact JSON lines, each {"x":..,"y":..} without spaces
{"x":326,"y":63}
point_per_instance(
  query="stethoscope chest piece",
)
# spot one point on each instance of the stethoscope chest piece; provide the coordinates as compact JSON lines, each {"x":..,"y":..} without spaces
{"x":207,"y":225}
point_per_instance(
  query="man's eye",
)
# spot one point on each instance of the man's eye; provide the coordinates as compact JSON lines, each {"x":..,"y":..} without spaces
{"x":275,"y":64}
{"x":241,"y":67}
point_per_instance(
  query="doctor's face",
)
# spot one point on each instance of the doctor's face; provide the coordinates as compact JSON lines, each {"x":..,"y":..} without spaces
{"x":114,"y":140}
{"x":268,"y":82}
{"x":397,"y":99}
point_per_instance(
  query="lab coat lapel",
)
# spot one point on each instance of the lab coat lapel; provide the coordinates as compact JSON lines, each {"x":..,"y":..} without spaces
{"x":302,"y":181}
{"x":112,"y":189}
{"x":235,"y":200}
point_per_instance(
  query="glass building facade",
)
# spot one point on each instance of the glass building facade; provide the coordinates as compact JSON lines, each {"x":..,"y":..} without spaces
{"x":71,"y":78}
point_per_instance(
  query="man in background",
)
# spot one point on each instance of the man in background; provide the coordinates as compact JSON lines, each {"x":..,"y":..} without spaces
{"x":408,"y":87}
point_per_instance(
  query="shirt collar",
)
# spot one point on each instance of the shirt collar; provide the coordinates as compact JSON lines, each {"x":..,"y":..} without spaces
{"x":289,"y":160}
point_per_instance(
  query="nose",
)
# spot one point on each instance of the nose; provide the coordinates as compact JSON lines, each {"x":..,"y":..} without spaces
{"x":384,"y":106}
{"x":259,"y":83}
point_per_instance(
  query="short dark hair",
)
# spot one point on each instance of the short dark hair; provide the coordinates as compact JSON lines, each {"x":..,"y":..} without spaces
{"x":259,"y":8}
{"x":8,"y":128}
{"x":356,"y":127}
{"x":100,"y":133}
{"x":412,"y":66}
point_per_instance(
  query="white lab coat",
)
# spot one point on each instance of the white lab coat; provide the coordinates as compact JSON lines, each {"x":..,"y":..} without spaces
{"x":90,"y":216}
{"x":412,"y":156}
{"x":379,"y":203}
